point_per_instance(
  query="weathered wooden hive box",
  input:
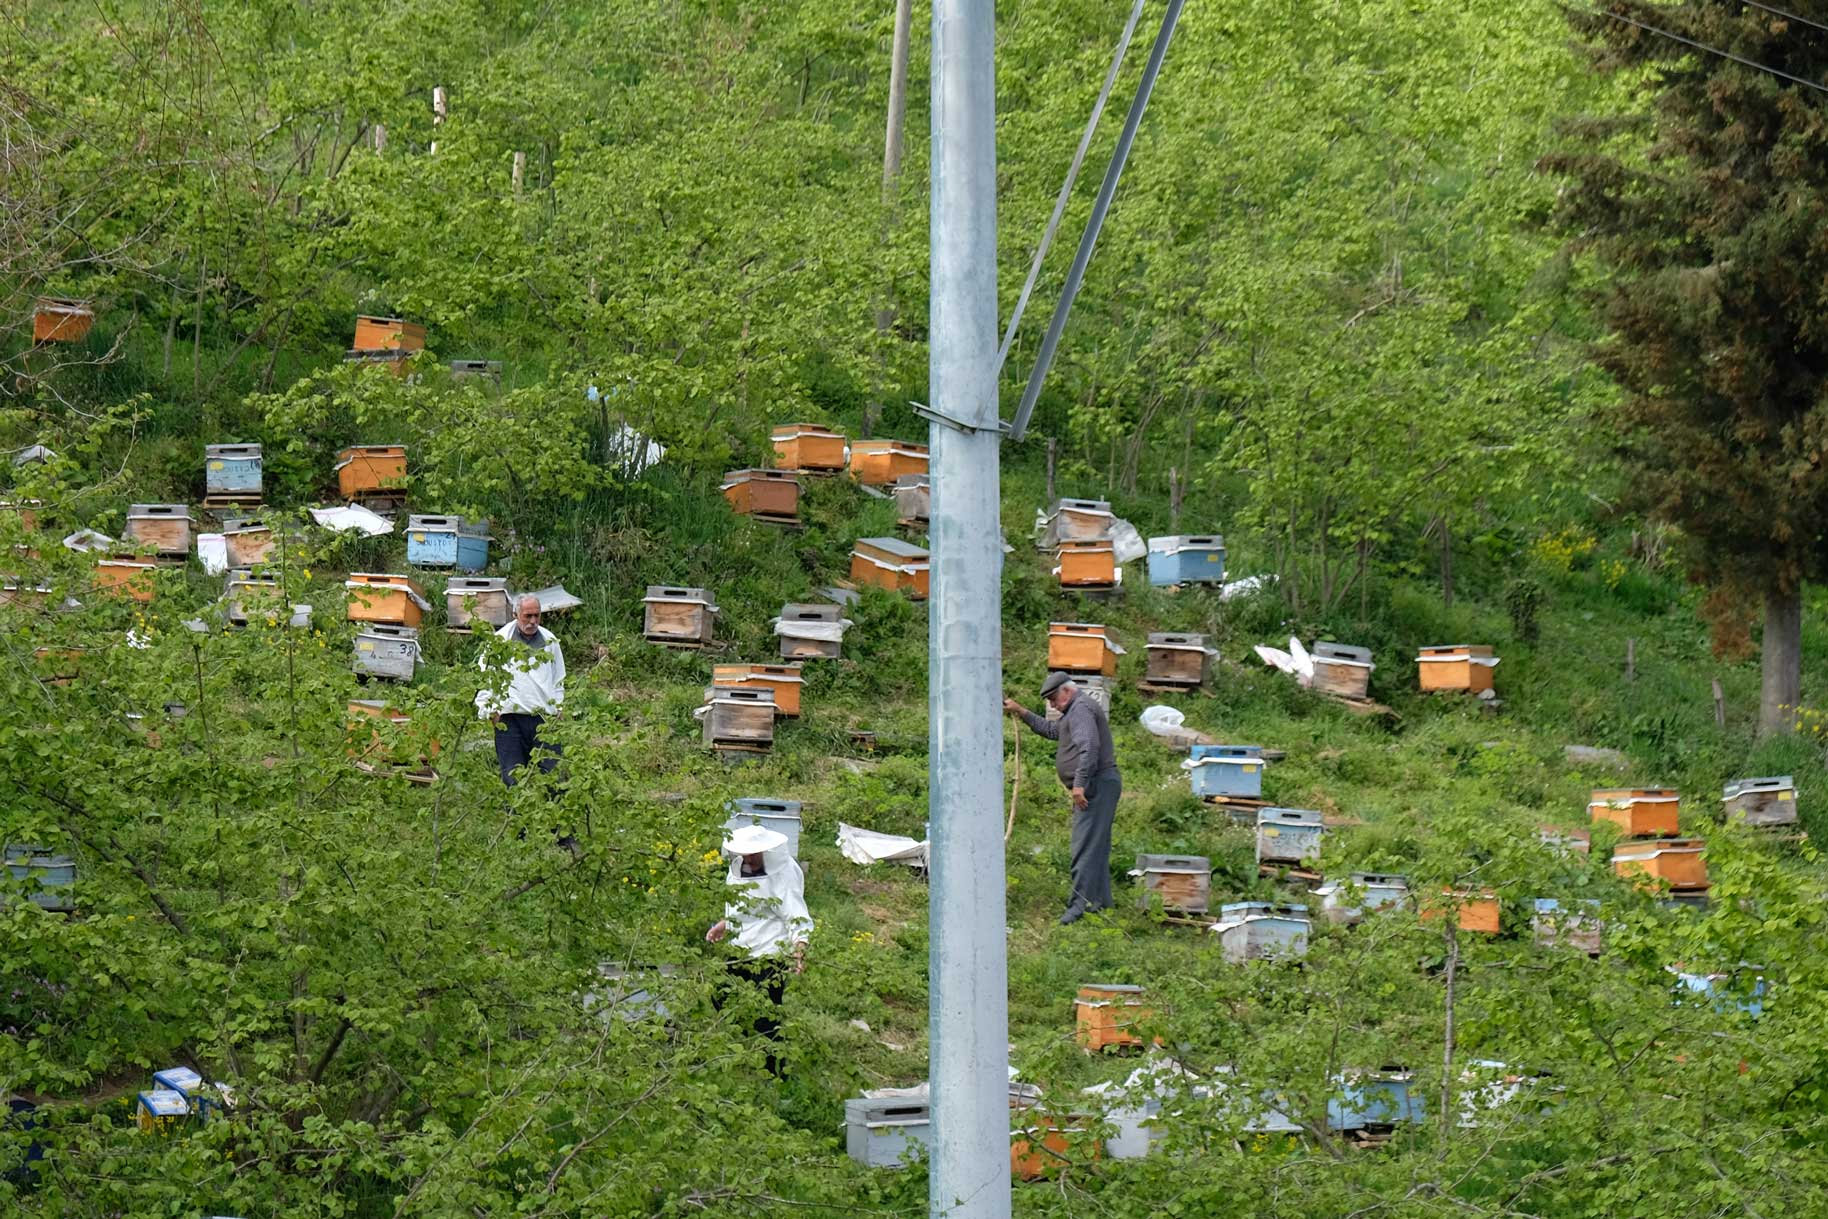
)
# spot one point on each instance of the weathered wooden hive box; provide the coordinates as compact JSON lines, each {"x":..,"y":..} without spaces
{"x":678,"y":617}
{"x":1565,"y":841}
{"x":631,"y":993}
{"x":1187,"y":558}
{"x":763,"y":493}
{"x":1262,"y":931}
{"x":1289,"y":835}
{"x":892,"y":564}
{"x":166,"y":528}
{"x":887,"y":1132}
{"x":61,"y":321}
{"x":476,"y":601}
{"x":1456,"y":666}
{"x":1639,"y":812}
{"x":232,"y":469}
{"x":1227,"y":770}
{"x":1573,"y":924}
{"x":1475,"y":909}
{"x":810,"y":631}
{"x":808,"y":447}
{"x":1082,"y":647}
{"x":1107,"y":1015}
{"x":1761,"y":802}
{"x":58,"y":666}
{"x":384,"y":597}
{"x":447,"y":541}
{"x":1343,"y":670}
{"x":739,"y":717}
{"x":1182,"y":882}
{"x":54,"y":872}
{"x":1094,"y":686}
{"x":380,"y":735}
{"x":244,"y":594}
{"x":913,"y":499}
{"x":781,"y":816}
{"x":1373,"y":1099}
{"x":476,"y":370}
{"x":878,"y":463}
{"x":784,"y":681}
{"x":365,"y":470}
{"x":126,"y":577}
{"x":249,"y":542}
{"x":1090,"y":564}
{"x":1348,"y":901}
{"x":387,"y":334}
{"x":382,"y":650}
{"x":1178,"y":658}
{"x":1679,"y":863}
{"x":26,"y":510}
{"x":1076,"y":520}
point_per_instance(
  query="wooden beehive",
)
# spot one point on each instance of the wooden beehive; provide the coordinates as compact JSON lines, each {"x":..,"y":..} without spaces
{"x":1233,"y":772}
{"x":1107,"y":1015}
{"x":1342,"y":670}
{"x":913,"y":499}
{"x":54,"y":871}
{"x":1091,"y":564}
{"x":1178,"y":659}
{"x":1639,"y":812}
{"x":1574,"y":925}
{"x":131,"y":578}
{"x":233,"y":472}
{"x":476,"y":370}
{"x":1052,"y":1142}
{"x":367,"y":470}
{"x":471,"y":601}
{"x":1186,"y":559}
{"x":166,"y":528}
{"x":878,"y":463}
{"x":808,"y":447}
{"x":14,"y":591}
{"x":57,"y":666}
{"x":383,"y":650}
{"x":380,"y":597}
{"x":1476,"y":910}
{"x":892,"y":564}
{"x":1077,"y":520}
{"x":1564,"y":841}
{"x":383,"y":737}
{"x":1289,"y":836}
{"x":26,"y":510}
{"x":397,"y":363}
{"x":1262,"y":931}
{"x":1082,"y":647}
{"x":1094,"y":686}
{"x":783,"y":680}
{"x":739,"y":717}
{"x":1456,"y":666}
{"x":678,"y":617}
{"x":766,"y":494}
{"x":447,"y":541}
{"x":249,"y":543}
{"x":61,"y":321}
{"x":1761,"y":802}
{"x":1348,"y":901}
{"x":243,"y":595}
{"x":800,"y":620}
{"x":1680,"y":863}
{"x":387,"y":334}
{"x":1182,"y":882}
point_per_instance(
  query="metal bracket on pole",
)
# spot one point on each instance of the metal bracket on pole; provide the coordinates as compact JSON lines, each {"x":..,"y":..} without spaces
{"x":935,"y":415}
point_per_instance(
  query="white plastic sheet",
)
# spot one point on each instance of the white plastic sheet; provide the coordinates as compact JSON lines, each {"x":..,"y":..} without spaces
{"x":1127,"y":542}
{"x":212,"y":552}
{"x":867,"y":847}
{"x":823,"y":632}
{"x":352,"y":516}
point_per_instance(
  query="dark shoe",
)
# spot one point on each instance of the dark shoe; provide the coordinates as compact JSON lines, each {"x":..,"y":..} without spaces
{"x":1073,"y":914}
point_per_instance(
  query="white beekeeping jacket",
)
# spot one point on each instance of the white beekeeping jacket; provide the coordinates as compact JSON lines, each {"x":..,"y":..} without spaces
{"x":768,"y":912}
{"x":536,"y":678}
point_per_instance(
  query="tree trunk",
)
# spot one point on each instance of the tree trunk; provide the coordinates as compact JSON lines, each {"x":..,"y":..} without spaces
{"x":898,"y":97}
{"x":1782,"y":689}
{"x":1447,"y":563}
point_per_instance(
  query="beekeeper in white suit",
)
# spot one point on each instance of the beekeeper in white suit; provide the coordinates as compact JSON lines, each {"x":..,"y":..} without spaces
{"x":766,"y":918}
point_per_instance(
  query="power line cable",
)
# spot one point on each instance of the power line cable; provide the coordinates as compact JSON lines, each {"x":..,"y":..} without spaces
{"x":1769,"y":8}
{"x":1702,"y":46}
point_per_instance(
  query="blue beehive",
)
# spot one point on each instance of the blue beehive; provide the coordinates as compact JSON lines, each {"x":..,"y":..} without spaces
{"x":178,"y":1079}
{"x":159,"y":1110}
{"x":1258,"y":931}
{"x":883,"y":1132}
{"x":1367,"y":1099}
{"x":231,"y":469}
{"x":55,"y":873}
{"x":447,"y":541}
{"x":1227,"y":770}
{"x":1289,"y":835}
{"x":1187,"y":558}
{"x":781,"y":816}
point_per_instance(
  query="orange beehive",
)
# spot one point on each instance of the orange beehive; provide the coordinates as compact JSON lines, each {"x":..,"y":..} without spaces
{"x":1456,"y":666}
{"x":774,"y":493}
{"x":385,"y":598}
{"x":365,"y":469}
{"x":26,"y":510}
{"x":1680,"y":863}
{"x":784,"y":680}
{"x":878,"y":463}
{"x":58,"y":666}
{"x":1051,"y":1143}
{"x":60,"y":321}
{"x":387,"y":334}
{"x":380,"y":735}
{"x":1105,"y":1016}
{"x":1087,"y":564}
{"x":892,"y":564}
{"x":1477,"y":909}
{"x":807,"y":446}
{"x":1639,"y":812}
{"x":248,"y":543}
{"x":124,"y":578}
{"x":1082,"y":647}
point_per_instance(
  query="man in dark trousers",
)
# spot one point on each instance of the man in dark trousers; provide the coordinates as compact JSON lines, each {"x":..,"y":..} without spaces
{"x":1087,"y":766}
{"x":534,"y":689}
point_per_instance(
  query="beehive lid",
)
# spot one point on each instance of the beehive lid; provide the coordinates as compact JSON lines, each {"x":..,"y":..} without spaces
{"x":1192,"y":865}
{"x":1289,"y":817}
{"x":367,"y":450}
{"x":795,"y":611}
{"x":163,"y":512}
{"x":464,"y":585}
{"x":25,"y":855}
{"x":245,"y":525}
{"x":1239,"y":911}
{"x":793,"y":431}
{"x":475,"y":365}
{"x":1091,"y":990}
{"x":1343,"y":653}
{"x":1622,"y":796}
{"x":1178,"y":641}
{"x":165,"y":1102}
{"x":1227,"y":753}
{"x":178,"y":1079}
{"x":890,"y":446}
{"x":1456,"y":651}
{"x":1746,"y":787}
{"x":1089,"y":507}
{"x":1175,"y":543}
{"x":1660,"y":846}
{"x":673,"y":593}
{"x":747,"y":696}
{"x":764,"y":806}
{"x":53,"y":304}
{"x":382,"y":630}
{"x":734,"y":478}
{"x":743,"y":672}
{"x":1087,"y":545}
{"x":1553,"y":905}
{"x":239,"y":452}
{"x":913,"y":482}
{"x":894,"y":547}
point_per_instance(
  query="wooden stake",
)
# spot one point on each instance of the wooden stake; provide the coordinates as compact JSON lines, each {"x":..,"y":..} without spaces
{"x":438,"y":111}
{"x":1015,"y":787}
{"x":380,"y":137}
{"x":520,"y":170}
{"x":1175,"y":492}
{"x":1053,"y":448}
{"x":1719,"y":705}
{"x":1631,"y":659}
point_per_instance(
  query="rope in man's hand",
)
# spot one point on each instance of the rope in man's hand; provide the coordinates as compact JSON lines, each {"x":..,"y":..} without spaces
{"x":1015,"y":788}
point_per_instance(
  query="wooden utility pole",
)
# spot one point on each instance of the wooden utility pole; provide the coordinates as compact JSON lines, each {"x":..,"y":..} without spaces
{"x":520,"y":171}
{"x":380,"y":137}
{"x":898,"y":98}
{"x":1719,"y":705}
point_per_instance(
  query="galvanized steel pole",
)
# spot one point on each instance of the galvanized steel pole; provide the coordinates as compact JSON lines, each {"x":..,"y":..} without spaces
{"x":968,"y":1017}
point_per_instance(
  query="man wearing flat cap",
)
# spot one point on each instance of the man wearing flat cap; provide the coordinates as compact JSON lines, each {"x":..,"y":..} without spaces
{"x":1087,"y":766}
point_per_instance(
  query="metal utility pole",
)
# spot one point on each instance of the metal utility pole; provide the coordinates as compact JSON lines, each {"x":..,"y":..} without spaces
{"x":968,"y":1021}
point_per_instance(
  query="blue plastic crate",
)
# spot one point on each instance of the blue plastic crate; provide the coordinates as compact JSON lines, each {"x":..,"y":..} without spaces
{"x":1228,"y":770}
{"x":231,"y":469}
{"x":447,"y":541}
{"x":1373,"y":1098}
{"x":1187,"y":558}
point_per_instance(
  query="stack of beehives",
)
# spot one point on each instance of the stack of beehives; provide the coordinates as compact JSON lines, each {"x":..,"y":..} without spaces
{"x":1653,"y":851}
